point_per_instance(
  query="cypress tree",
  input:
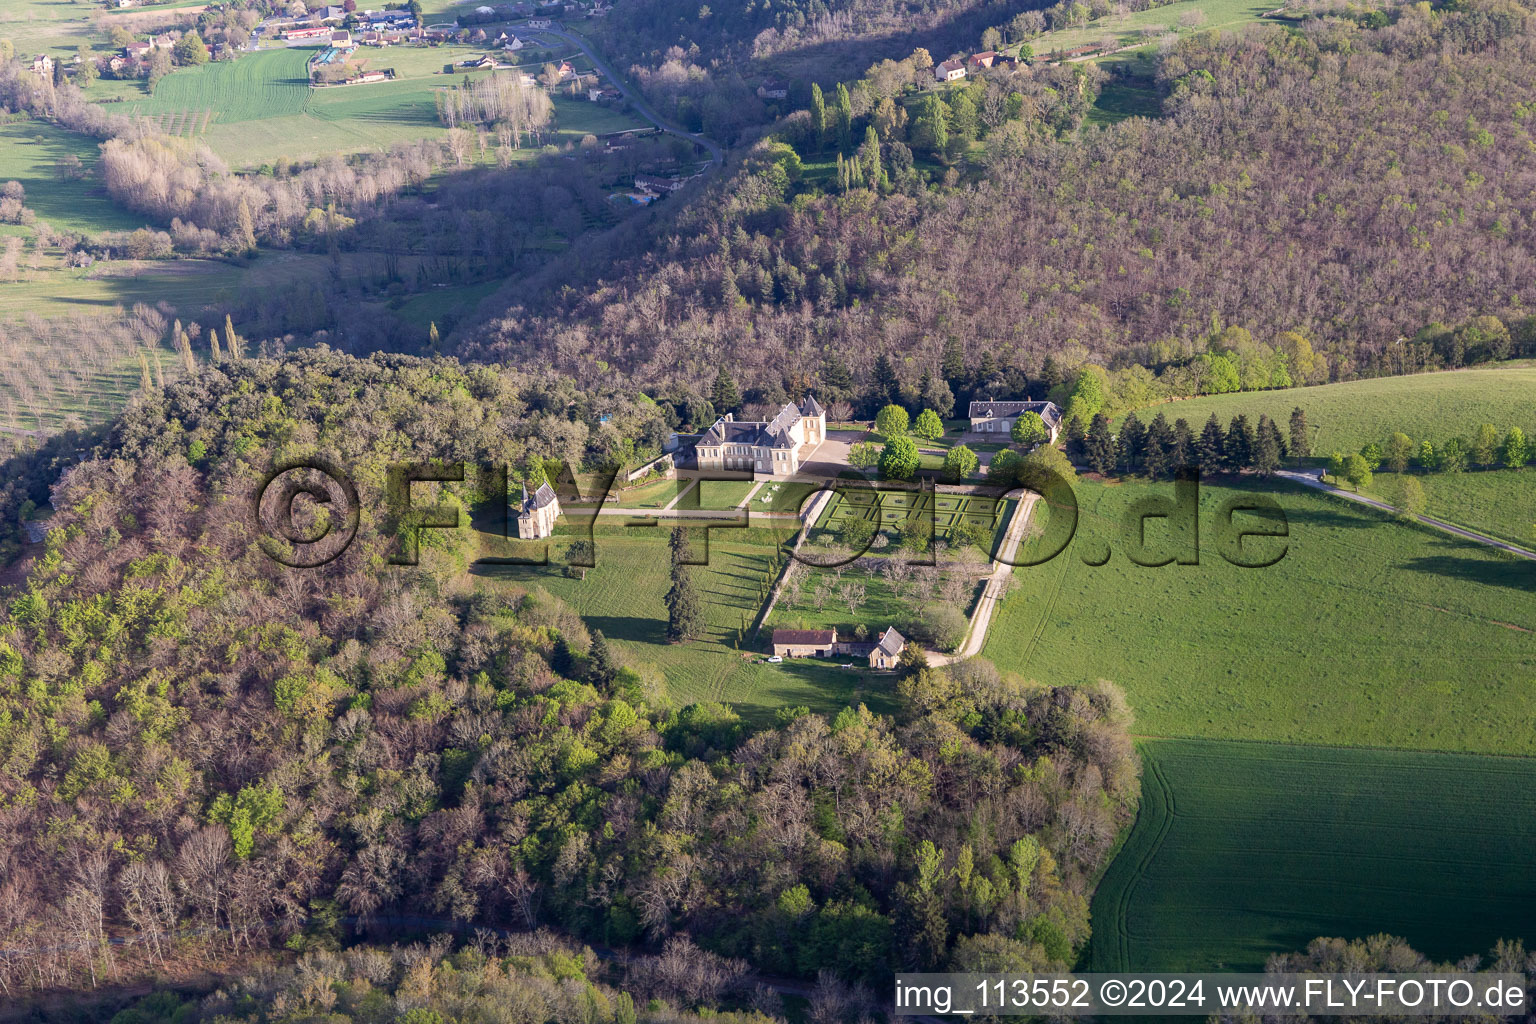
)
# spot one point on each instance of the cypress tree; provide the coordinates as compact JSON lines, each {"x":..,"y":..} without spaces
{"x":1100,"y":445}
{"x":1301,"y":447}
{"x":685,"y":612}
{"x":679,"y":548}
{"x":1210,"y":450}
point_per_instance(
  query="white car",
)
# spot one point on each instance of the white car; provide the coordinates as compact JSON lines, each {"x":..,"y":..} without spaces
{"x":775,"y":660}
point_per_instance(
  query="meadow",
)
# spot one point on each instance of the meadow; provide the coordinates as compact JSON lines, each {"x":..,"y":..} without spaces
{"x":258,"y":108}
{"x":29,"y":152}
{"x":1500,"y":503}
{"x":1367,"y":632}
{"x":1241,"y":850}
{"x":623,"y":596}
{"x":1347,"y":416}
{"x":1130,"y":29}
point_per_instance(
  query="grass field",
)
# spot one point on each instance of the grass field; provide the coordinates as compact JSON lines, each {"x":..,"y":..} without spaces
{"x":29,"y":150}
{"x":1129,"y":29}
{"x":36,"y":26}
{"x":260,"y":107}
{"x":1367,"y":632}
{"x":1242,"y":850}
{"x":1500,"y":502}
{"x":1347,"y":416}
{"x":623,"y":596}
{"x":1121,"y":98}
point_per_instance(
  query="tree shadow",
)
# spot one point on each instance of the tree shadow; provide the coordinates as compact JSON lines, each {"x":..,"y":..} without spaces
{"x":1512,"y":573}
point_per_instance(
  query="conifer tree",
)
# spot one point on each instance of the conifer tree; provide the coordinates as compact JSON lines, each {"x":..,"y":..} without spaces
{"x":1240,"y":444}
{"x":724,"y":394}
{"x":1210,"y":450}
{"x":1133,"y":441}
{"x":1100,"y":445}
{"x":601,"y":669}
{"x":1266,"y":449}
{"x":1301,"y":445}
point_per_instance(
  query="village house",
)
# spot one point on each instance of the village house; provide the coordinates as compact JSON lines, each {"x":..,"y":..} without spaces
{"x":977,"y":61}
{"x":765,"y":447}
{"x":42,"y":66}
{"x":332,"y":13}
{"x":882,"y":653}
{"x":537,"y":512}
{"x":136,"y":50}
{"x":998,"y":417}
{"x":949,"y":71}
{"x":773,"y":91}
{"x":341,"y":38}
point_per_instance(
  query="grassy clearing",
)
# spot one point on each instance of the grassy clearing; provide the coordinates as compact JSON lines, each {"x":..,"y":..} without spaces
{"x":1367,"y":632}
{"x":1242,"y":850}
{"x":29,"y":151}
{"x":655,"y":494}
{"x":1121,"y":98}
{"x":1347,"y":416}
{"x":623,"y":596}
{"x":1131,"y":28}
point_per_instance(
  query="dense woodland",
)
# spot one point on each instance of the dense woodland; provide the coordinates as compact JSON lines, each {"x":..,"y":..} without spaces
{"x":1344,"y":185}
{"x":200,"y":745}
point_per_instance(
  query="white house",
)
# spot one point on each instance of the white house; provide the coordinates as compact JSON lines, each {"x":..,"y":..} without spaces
{"x":998,"y":417}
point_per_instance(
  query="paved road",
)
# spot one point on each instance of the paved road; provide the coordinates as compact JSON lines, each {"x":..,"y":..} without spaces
{"x":636,"y":100}
{"x":1311,"y":480}
{"x":981,"y":618}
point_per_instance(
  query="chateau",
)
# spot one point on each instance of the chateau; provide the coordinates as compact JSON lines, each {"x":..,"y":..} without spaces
{"x":765,"y":447}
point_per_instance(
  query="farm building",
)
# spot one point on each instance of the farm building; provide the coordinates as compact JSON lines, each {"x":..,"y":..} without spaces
{"x":882,"y":653}
{"x":772,"y":90}
{"x":998,"y":417}
{"x":981,"y":60}
{"x":804,"y":643}
{"x":308,"y":32}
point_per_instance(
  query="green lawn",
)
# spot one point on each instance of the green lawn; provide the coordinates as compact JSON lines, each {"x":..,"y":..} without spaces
{"x":1347,"y":416}
{"x":623,"y":596}
{"x":29,"y":151}
{"x":655,"y":494}
{"x":1241,"y":850}
{"x":1367,"y":632}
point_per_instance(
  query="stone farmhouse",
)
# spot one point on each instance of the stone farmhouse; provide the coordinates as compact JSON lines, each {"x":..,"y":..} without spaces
{"x":882,"y":653}
{"x":998,"y":417}
{"x":537,"y":512}
{"x":765,"y":447}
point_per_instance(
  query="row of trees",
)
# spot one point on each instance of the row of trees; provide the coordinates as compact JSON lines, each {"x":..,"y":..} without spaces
{"x":1488,"y":448}
{"x":1161,"y":449}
